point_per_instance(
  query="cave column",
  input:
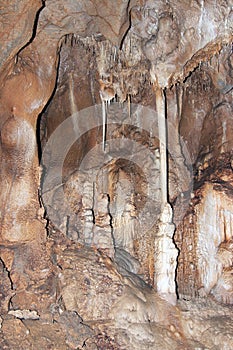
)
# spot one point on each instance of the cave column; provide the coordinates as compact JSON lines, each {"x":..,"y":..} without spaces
{"x":165,"y":251}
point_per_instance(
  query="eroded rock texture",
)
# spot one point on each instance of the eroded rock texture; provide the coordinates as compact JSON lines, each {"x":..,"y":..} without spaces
{"x":86,"y":248}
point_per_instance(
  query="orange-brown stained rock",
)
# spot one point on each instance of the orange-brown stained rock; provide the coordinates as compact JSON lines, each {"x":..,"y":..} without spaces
{"x":21,"y":99}
{"x":31,"y":335}
{"x":17,"y":25}
{"x":111,"y":17}
{"x":6,"y":288}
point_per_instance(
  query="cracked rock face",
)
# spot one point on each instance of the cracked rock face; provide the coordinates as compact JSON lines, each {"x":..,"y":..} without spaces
{"x":86,"y":248}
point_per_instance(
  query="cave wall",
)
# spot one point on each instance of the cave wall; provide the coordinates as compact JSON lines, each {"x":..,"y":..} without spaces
{"x":64,"y":66}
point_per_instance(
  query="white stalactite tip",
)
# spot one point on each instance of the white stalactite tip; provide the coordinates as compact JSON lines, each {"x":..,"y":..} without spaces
{"x":107,"y":94}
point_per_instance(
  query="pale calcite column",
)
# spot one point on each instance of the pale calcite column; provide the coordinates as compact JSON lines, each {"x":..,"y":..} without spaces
{"x":165,"y":250}
{"x":160,"y":104}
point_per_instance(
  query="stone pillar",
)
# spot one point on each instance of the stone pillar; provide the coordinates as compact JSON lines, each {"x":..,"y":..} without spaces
{"x":165,"y":250}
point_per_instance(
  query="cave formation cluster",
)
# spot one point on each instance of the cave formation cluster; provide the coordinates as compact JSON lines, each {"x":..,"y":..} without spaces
{"x":116,"y":201}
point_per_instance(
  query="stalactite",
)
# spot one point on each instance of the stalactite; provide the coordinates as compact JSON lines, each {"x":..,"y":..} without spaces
{"x":179,"y":99}
{"x":107,"y":94}
{"x":129,"y":106}
{"x":104,"y":117}
{"x":73,"y":106}
{"x":160,"y":102}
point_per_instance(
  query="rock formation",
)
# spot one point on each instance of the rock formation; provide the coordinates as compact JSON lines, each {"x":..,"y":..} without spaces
{"x":116,"y":174}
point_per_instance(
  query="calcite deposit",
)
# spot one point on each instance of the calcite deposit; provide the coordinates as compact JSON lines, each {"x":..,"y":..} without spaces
{"x":116,"y":201}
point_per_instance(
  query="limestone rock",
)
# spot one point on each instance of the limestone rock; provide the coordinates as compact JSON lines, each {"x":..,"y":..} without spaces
{"x":6,"y":288}
{"x":24,"y":314}
{"x":84,"y":247}
{"x":17,"y":21}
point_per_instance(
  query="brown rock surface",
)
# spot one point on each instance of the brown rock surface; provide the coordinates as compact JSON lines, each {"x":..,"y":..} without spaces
{"x":17,"y":26}
{"x":80,"y":204}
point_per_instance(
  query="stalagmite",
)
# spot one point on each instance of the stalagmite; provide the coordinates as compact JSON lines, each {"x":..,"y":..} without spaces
{"x":87,"y":212}
{"x":165,"y":250}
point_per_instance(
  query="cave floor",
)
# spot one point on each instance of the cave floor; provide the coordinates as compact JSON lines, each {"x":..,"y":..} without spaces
{"x":80,"y":299}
